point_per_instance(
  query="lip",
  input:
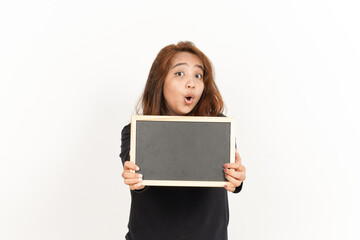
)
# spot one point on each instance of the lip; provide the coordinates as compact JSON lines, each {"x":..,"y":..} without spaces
{"x":189,"y":101}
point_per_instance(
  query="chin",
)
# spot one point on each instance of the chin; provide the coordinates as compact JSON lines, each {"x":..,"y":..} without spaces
{"x":183,"y":112}
{"x":188,"y":111}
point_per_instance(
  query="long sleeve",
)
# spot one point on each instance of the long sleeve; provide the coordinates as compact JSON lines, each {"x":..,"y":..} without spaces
{"x":125,"y":144}
{"x":238,"y":189}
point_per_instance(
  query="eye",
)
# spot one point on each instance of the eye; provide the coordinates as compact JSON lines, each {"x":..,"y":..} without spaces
{"x":198,"y":75}
{"x":179,"y":74}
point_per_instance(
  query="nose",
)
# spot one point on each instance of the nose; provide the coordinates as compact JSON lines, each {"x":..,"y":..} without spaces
{"x":190,"y":83}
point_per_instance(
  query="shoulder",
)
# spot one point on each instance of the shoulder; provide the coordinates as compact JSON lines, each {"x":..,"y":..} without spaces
{"x":126,"y":128}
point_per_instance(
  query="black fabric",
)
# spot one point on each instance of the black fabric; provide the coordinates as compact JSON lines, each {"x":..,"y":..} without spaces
{"x":176,"y":213}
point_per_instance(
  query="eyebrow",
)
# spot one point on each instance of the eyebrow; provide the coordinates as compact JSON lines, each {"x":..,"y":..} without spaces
{"x":179,"y":64}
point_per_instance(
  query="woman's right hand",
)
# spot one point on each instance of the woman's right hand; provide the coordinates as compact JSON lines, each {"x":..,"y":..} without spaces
{"x":134,"y":180}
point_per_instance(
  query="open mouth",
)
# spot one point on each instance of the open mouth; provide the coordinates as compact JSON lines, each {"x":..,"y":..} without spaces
{"x":189,"y":99}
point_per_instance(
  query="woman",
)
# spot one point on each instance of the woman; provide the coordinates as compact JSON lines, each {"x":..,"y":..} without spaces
{"x":181,"y":83}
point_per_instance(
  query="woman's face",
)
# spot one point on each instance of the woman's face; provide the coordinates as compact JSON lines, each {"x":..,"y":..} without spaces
{"x":184,"y":83}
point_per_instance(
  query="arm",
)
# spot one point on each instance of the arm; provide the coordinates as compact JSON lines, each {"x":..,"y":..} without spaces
{"x":132,"y":179}
{"x":235,"y":173}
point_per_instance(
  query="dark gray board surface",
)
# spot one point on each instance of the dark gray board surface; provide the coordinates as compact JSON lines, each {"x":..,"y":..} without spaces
{"x":182,"y":150}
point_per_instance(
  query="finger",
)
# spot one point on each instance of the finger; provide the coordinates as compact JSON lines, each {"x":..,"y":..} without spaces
{"x":230,"y":187}
{"x":130,"y":166}
{"x":232,"y":165}
{"x":240,"y":176}
{"x":233,"y":181}
{"x":132,"y":181}
{"x":136,"y":186}
{"x":126,"y":174}
{"x":232,"y":173}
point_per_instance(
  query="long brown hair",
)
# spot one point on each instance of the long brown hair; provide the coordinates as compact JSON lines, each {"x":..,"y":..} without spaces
{"x":152,"y":100}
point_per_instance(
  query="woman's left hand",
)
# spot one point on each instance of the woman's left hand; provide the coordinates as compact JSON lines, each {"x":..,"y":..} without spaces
{"x":235,"y":173}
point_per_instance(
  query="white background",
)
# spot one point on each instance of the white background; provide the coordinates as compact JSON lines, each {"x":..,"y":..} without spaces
{"x":72,"y":71}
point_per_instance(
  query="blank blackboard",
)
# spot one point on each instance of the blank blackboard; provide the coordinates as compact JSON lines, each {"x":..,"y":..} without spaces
{"x":182,"y":151}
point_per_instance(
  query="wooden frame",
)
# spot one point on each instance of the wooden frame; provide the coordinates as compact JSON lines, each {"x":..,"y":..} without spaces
{"x":136,"y":118}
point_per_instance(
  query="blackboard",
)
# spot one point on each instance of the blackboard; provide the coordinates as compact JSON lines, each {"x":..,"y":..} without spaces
{"x":182,"y":151}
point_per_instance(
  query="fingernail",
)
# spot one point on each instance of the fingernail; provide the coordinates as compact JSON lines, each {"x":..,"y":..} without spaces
{"x":140,"y":175}
{"x":140,"y":179}
{"x":137,"y":168}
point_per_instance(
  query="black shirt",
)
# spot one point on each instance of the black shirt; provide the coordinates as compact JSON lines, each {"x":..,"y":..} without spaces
{"x":175,"y":213}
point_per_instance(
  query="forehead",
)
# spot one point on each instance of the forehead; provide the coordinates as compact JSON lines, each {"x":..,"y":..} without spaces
{"x":186,"y":57}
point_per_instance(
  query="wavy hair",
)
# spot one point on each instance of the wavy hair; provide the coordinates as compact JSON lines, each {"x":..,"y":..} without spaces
{"x":152,"y":101}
